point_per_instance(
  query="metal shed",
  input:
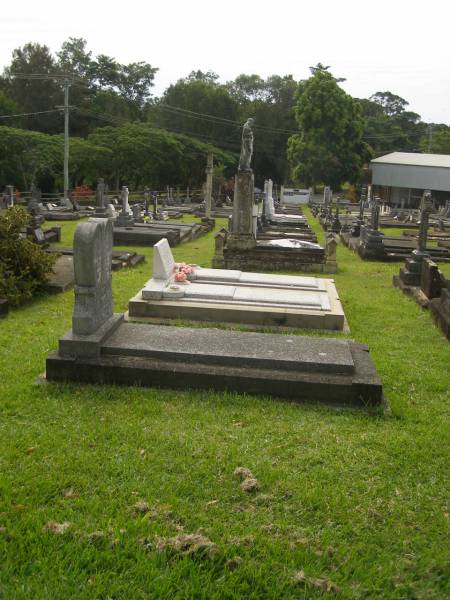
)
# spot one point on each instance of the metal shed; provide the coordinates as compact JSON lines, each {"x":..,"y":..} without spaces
{"x":401,"y":177}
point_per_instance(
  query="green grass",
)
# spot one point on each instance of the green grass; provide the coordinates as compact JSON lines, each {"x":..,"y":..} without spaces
{"x":354,"y":498}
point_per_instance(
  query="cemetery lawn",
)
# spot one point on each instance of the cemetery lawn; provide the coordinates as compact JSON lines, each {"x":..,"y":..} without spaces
{"x":95,"y":481}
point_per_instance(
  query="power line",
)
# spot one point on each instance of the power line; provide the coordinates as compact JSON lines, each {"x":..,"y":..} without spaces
{"x":41,"y":112}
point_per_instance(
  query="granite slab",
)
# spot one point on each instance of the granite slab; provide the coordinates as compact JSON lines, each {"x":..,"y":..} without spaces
{"x":299,"y":368}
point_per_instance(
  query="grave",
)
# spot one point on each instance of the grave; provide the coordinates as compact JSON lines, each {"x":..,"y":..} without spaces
{"x":410,"y":274}
{"x":120,"y":258}
{"x":239,"y":248}
{"x":129,"y":230}
{"x":220,"y":295}
{"x":271,"y":218}
{"x":102,"y":348}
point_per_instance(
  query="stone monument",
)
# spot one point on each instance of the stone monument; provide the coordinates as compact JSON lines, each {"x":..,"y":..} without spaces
{"x":242,"y":234}
{"x":124,"y":219}
{"x":100,"y":209}
{"x":410,"y":274}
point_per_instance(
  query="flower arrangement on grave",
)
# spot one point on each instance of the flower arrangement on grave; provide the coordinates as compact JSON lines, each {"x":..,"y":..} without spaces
{"x":182,"y":271}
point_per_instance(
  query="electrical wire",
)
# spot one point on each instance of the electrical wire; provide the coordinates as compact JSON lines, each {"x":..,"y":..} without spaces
{"x":41,"y":112}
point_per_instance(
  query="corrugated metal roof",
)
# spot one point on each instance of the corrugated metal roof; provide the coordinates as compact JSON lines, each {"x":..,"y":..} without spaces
{"x":414,"y":159}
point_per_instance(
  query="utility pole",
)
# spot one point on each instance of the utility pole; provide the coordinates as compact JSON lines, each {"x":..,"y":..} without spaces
{"x":430,"y":137}
{"x":66,"y":108}
{"x":66,"y":138}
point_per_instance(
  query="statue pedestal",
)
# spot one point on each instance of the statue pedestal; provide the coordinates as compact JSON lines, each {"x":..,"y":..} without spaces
{"x":242,"y":235}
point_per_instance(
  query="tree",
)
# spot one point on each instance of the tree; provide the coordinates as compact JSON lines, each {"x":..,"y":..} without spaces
{"x":35,"y":95}
{"x":388,"y":126}
{"x":439,"y":140}
{"x":390,"y":103}
{"x":270,"y":102}
{"x":24,"y":267}
{"x":143,"y":155}
{"x":328,"y":148}
{"x":202,"y":108}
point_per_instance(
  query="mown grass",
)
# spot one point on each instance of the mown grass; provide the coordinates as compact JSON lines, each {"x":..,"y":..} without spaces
{"x":357,"y":499}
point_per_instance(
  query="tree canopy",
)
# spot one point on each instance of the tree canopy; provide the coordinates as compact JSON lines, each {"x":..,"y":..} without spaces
{"x":328,"y":148}
{"x":305,"y":131}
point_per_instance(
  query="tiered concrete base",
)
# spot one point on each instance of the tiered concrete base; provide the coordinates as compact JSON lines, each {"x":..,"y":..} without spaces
{"x":299,"y":368}
{"x":272,"y":258}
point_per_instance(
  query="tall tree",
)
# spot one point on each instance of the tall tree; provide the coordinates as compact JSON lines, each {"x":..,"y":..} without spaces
{"x":388,"y":126}
{"x":201,"y":107}
{"x":328,"y":148}
{"x":35,"y":94}
{"x":270,"y":102}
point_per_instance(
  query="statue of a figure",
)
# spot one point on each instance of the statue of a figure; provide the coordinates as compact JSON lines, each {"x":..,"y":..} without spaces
{"x":247,"y":146}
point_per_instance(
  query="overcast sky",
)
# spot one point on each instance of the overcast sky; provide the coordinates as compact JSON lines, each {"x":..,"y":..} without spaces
{"x":398,"y":45}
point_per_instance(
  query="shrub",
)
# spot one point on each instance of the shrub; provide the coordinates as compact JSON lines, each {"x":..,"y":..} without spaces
{"x":24,"y":267}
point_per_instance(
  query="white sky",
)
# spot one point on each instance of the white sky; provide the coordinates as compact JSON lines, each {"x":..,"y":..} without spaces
{"x":398,"y":45}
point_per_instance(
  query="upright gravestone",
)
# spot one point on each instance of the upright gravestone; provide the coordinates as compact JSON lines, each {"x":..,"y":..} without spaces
{"x":136,"y":211}
{"x":100,"y":209}
{"x":155,"y":205}
{"x":124,"y":219}
{"x":336,"y":224}
{"x":375,"y":214}
{"x":209,"y":184}
{"x":327,"y":195}
{"x":146,"y":201}
{"x":93,"y":318}
{"x":426,"y":209}
{"x":410,"y":275}
{"x":243,"y":234}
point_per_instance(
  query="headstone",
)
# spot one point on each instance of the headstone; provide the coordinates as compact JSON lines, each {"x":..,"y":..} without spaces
{"x":163,"y":263}
{"x":375,"y":214}
{"x":427,"y":208}
{"x":431,"y":279}
{"x":136,"y":210}
{"x":66,"y":203}
{"x":155,"y":204}
{"x":92,"y":267}
{"x":111,"y":211}
{"x":242,"y":234}
{"x":146,"y":201}
{"x":125,"y":219}
{"x":100,"y":209}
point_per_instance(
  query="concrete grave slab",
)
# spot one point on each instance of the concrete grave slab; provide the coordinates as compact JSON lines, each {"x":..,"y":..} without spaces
{"x":220,"y":295}
{"x":300,"y":368}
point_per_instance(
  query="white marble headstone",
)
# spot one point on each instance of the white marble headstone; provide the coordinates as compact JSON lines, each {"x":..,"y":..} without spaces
{"x":163,"y":261}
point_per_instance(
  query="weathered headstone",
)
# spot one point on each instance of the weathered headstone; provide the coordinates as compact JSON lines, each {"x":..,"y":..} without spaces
{"x":431,"y":279}
{"x":92,"y":266}
{"x":425,"y":211}
{"x":100,"y":209}
{"x":375,"y":214}
{"x":136,"y":211}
